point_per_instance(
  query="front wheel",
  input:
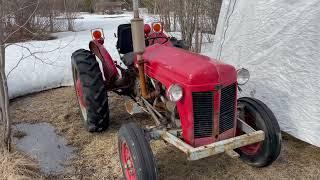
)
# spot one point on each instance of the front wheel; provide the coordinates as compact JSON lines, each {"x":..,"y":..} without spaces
{"x":256,"y":114}
{"x":136,"y":156}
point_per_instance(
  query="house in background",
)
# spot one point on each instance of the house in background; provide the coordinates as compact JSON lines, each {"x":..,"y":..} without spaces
{"x":109,"y":7}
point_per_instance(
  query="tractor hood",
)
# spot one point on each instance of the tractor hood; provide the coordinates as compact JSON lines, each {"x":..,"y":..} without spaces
{"x":175,"y":65}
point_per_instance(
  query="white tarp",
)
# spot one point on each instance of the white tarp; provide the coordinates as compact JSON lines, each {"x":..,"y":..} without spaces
{"x":278,"y":41}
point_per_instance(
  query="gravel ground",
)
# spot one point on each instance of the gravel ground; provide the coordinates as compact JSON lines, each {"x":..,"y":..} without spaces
{"x":97,"y":154}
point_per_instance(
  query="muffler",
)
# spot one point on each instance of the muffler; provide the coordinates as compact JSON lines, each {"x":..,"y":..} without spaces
{"x":138,"y":39}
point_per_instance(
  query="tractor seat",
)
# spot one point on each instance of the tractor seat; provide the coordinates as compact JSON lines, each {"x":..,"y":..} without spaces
{"x":124,"y":43}
{"x":128,"y":59}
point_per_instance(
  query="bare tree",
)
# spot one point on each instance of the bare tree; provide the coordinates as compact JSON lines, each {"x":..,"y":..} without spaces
{"x":163,"y":7}
{"x":196,"y":20}
{"x":21,"y":17}
{"x":89,"y":5}
{"x":48,"y":9}
{"x":4,"y":97}
{"x":71,"y":7}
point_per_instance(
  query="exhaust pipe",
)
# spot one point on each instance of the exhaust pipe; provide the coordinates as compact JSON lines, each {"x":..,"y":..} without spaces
{"x":137,"y":27}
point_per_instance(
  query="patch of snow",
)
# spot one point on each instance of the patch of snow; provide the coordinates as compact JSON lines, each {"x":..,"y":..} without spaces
{"x":52,"y":65}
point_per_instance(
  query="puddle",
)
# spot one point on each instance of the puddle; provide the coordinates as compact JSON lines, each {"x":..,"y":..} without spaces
{"x":41,"y":143}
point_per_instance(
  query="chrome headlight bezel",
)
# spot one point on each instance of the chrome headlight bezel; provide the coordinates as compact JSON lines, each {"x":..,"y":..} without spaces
{"x":175,"y":93}
{"x":243,"y":76}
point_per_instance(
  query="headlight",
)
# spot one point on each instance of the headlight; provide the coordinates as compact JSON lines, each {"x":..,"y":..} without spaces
{"x":243,"y":76}
{"x":174,"y":93}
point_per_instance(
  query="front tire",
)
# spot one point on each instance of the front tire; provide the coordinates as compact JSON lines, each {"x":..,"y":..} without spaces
{"x":90,"y":90}
{"x":136,"y":156}
{"x":256,"y":114}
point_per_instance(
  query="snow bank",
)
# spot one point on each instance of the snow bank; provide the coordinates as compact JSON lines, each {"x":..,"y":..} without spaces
{"x":52,"y":65}
{"x":279,"y":42}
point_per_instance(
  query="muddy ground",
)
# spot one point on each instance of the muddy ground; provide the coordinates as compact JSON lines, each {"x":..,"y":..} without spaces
{"x":97,"y":156}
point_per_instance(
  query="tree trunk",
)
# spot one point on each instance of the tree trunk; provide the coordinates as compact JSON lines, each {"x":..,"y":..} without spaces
{"x":155,"y":7}
{"x":4,"y":98}
{"x":4,"y":101}
{"x":51,"y":22}
{"x":174,"y":21}
{"x":70,"y":25}
{"x":69,"y":13}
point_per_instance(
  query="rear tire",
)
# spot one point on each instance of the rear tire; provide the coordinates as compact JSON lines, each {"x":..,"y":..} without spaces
{"x":260,"y":117}
{"x":135,"y":154}
{"x":91,"y":91}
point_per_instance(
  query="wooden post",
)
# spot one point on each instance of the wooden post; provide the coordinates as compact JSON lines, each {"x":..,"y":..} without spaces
{"x":4,"y":97}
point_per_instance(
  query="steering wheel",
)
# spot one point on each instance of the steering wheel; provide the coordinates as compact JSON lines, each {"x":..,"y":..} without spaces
{"x":154,"y":38}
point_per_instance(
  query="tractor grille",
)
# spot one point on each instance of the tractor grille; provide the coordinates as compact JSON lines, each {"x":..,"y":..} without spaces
{"x":227,"y":108}
{"x":203,"y":114}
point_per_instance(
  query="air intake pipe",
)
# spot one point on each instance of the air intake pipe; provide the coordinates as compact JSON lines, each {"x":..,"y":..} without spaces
{"x":138,"y":39}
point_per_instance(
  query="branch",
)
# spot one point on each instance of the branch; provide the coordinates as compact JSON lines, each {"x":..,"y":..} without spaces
{"x":20,"y":9}
{"x":25,"y":23}
{"x":34,"y":55}
{"x":23,"y":27}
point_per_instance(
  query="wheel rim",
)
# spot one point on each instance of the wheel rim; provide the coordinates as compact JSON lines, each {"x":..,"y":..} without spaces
{"x":82,"y":104}
{"x":127,"y":162}
{"x":248,"y":117}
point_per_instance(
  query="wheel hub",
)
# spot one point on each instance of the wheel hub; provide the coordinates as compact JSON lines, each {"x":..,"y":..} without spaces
{"x":82,"y":104}
{"x":127,"y":162}
{"x":251,"y":149}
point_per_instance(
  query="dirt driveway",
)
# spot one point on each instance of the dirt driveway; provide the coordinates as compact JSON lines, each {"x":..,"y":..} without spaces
{"x":97,"y":156}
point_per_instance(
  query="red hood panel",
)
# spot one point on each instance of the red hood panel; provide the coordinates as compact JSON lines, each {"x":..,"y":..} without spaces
{"x":185,"y":67}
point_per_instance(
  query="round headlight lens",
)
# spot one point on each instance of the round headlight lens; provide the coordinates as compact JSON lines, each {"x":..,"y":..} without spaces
{"x":175,"y":93}
{"x":243,"y":76}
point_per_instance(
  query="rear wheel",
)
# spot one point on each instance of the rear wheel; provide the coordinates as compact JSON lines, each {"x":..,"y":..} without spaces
{"x":136,"y":156}
{"x":256,"y":114}
{"x":90,"y":90}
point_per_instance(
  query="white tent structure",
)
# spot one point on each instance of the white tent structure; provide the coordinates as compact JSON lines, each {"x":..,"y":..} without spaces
{"x":278,"y":41}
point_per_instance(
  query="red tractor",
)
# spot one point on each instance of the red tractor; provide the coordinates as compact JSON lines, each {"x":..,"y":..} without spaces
{"x":191,"y":98}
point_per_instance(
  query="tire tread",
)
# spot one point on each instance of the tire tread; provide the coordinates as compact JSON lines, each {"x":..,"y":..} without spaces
{"x":142,"y":153}
{"x":94,"y":90}
{"x":274,"y":134}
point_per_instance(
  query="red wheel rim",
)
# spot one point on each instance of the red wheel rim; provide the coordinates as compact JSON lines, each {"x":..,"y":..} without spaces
{"x":82,"y":104}
{"x":80,"y":93}
{"x":127,"y":162}
{"x":251,"y":149}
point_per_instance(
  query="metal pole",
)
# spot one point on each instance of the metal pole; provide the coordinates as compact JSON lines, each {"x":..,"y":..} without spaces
{"x":135,"y":8}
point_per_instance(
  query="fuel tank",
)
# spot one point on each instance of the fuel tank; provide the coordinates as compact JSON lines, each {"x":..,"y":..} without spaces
{"x":174,"y":65}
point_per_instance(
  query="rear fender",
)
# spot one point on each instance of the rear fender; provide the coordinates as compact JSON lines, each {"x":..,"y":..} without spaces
{"x":109,"y":68}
